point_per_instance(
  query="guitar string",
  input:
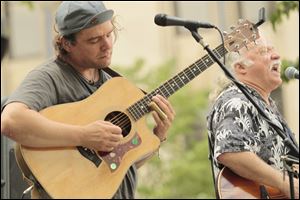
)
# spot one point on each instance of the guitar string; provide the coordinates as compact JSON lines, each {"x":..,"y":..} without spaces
{"x":122,"y":118}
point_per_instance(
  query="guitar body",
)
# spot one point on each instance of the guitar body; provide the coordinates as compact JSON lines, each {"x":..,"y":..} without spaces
{"x":232,"y":186}
{"x":65,"y":172}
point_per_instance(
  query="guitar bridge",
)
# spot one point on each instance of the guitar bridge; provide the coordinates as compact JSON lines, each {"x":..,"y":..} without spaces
{"x":90,"y":155}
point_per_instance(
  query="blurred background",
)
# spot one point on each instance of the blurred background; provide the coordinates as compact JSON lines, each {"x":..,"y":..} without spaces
{"x":148,"y":55}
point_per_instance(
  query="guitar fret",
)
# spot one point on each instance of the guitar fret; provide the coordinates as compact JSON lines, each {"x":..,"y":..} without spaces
{"x":164,"y":91}
{"x":169,"y":87}
{"x":179,"y":81}
{"x":201,"y":64}
{"x":174,"y":85}
{"x":191,"y":71}
{"x":133,"y":113}
{"x":188,"y":74}
{"x":196,"y":70}
{"x":144,"y":107}
{"x":138,"y":111}
{"x":216,"y":53}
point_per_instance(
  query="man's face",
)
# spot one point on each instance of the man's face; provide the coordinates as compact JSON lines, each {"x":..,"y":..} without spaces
{"x":265,"y":70}
{"x":93,"y":46}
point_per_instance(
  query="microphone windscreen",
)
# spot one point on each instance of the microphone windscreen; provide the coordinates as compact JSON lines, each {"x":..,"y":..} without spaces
{"x":290,"y":72}
{"x":160,"y":19}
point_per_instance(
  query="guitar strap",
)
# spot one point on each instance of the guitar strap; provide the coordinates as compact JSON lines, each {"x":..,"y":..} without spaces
{"x":113,"y":73}
{"x":210,"y":156}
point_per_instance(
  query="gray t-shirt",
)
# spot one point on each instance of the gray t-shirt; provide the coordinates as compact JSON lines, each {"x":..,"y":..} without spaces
{"x":56,"y":82}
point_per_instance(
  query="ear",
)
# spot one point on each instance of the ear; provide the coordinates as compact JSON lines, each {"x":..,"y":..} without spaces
{"x":240,"y":69}
{"x":66,"y":44}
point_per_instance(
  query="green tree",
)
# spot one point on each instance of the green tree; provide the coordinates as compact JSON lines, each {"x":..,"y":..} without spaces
{"x":282,"y":10}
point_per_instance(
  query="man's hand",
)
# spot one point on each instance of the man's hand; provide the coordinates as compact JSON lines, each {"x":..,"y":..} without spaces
{"x":162,"y":126}
{"x":101,"y":136}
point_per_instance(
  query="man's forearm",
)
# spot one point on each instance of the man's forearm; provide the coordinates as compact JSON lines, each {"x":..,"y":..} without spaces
{"x":251,"y":167}
{"x":30,"y":128}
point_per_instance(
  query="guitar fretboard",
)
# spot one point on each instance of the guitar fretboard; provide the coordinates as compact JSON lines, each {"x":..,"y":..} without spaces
{"x":140,"y":108}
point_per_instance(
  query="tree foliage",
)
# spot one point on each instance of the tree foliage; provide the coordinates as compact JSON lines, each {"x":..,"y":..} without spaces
{"x":282,"y":10}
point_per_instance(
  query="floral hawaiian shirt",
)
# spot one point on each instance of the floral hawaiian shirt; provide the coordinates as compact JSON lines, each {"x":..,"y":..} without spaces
{"x":234,"y":125}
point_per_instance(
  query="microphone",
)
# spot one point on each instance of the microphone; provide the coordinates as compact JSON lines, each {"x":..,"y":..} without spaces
{"x":291,"y":73}
{"x":165,"y":20}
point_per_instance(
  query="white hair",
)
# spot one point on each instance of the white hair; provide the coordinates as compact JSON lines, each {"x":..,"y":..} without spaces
{"x":232,"y":58}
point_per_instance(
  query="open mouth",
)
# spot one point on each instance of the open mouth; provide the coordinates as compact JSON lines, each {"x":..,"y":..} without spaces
{"x":275,"y":67}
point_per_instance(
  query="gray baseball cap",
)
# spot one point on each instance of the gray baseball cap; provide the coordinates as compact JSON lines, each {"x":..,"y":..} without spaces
{"x":73,"y":16}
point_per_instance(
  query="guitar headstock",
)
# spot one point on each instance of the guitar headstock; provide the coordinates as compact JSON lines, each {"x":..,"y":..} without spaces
{"x":241,"y":36}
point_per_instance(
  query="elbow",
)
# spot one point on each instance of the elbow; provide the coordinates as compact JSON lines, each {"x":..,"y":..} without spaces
{"x":6,"y":123}
{"x":9,"y":118}
{"x":230,"y":159}
{"x":224,"y":158}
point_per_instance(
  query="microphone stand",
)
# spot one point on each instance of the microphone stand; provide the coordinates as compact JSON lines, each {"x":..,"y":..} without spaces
{"x":294,"y":150}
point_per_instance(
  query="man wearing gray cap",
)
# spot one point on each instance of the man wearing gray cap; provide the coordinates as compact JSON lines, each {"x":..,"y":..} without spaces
{"x":84,"y":46}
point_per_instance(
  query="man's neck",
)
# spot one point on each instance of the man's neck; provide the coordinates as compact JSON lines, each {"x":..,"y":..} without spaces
{"x":261,"y":91}
{"x":90,"y":74}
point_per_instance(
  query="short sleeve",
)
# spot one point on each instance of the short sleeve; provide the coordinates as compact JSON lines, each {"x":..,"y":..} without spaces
{"x":37,"y":91}
{"x":235,"y":131}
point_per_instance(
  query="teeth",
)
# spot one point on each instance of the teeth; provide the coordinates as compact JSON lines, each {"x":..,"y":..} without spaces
{"x":275,"y":67}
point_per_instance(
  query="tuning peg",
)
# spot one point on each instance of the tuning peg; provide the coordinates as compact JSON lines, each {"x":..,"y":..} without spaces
{"x":254,"y":37}
{"x":246,"y":25}
{"x":225,"y":33}
{"x":240,"y":21}
{"x":237,"y":46}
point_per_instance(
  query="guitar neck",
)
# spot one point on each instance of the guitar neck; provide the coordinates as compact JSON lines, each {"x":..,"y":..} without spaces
{"x":140,"y":108}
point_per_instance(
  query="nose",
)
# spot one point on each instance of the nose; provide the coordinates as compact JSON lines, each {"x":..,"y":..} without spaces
{"x":106,"y":43}
{"x":275,"y":56}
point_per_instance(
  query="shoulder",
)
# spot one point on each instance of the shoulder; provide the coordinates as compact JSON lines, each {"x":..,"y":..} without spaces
{"x":231,"y":96}
{"x":52,"y":71}
{"x":50,"y":66}
{"x":47,"y":68}
{"x":231,"y":102}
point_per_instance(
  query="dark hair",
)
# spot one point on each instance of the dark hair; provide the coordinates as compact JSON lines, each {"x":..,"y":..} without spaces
{"x":58,"y":46}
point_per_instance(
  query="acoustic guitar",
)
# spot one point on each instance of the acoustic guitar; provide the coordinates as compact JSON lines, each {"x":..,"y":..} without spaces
{"x":79,"y":172}
{"x":232,"y":186}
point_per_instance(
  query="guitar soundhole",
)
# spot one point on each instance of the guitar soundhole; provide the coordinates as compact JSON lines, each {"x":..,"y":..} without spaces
{"x":120,"y":119}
